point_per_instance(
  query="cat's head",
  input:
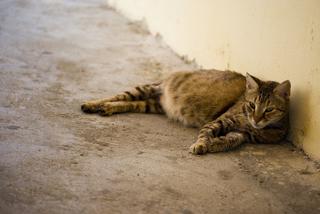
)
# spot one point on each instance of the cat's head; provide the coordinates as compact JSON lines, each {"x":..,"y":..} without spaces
{"x":266,"y":102}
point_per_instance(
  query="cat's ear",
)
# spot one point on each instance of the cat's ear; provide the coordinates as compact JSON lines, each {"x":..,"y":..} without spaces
{"x":283,"y":90}
{"x":251,"y":83}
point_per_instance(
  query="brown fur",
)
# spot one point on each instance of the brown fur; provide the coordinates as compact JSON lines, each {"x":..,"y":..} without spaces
{"x":230,"y":108}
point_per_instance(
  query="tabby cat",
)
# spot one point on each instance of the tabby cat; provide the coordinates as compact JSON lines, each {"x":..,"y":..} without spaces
{"x":229,"y":107}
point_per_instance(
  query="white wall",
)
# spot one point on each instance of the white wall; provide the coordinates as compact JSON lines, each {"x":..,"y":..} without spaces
{"x":270,"y":39}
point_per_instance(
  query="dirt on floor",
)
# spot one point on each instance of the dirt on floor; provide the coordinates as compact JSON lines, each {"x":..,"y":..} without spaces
{"x":54,"y":55}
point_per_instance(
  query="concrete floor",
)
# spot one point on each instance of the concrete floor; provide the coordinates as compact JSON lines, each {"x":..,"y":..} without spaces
{"x":55,"y":159}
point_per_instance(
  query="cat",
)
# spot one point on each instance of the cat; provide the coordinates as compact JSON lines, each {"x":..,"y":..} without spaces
{"x":229,"y":108}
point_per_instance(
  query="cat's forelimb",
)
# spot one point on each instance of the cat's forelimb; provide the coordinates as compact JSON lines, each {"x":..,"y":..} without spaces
{"x":200,"y":147}
{"x":217,"y":144}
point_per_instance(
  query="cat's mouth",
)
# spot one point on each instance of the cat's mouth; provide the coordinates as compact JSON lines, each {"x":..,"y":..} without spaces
{"x":258,"y":125}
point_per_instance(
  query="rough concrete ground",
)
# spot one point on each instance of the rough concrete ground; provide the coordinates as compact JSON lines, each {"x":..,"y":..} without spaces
{"x":55,"y":159}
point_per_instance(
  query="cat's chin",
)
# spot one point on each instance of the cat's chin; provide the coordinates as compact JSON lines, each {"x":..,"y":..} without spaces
{"x":257,"y":125}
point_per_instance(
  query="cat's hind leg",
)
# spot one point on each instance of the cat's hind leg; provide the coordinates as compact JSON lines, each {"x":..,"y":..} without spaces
{"x":141,"y":92}
{"x":144,"y":106}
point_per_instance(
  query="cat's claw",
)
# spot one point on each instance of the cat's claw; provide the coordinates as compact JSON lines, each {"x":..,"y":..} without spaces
{"x":105,"y":113}
{"x":106,"y":109}
{"x":199,"y":148}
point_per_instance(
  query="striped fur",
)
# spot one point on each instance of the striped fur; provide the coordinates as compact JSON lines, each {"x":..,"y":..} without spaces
{"x":141,"y":99}
{"x":230,"y":108}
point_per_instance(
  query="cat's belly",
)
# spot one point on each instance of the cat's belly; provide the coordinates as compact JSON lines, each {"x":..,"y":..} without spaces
{"x":174,"y":111}
{"x":190,"y":115}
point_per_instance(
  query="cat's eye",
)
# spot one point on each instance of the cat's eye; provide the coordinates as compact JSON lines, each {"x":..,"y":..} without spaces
{"x":252,"y":105}
{"x":269,"y":109}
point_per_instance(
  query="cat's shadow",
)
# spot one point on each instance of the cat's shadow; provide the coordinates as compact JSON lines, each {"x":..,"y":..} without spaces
{"x":300,"y":115}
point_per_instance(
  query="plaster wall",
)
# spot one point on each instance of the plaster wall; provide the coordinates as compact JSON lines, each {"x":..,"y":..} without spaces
{"x":270,"y":39}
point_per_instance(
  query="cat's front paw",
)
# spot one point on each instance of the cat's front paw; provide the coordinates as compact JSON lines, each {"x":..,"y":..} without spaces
{"x":199,"y":148}
{"x":90,"y":107}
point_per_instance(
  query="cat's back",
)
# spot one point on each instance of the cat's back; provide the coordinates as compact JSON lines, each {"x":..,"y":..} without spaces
{"x":198,"y":97}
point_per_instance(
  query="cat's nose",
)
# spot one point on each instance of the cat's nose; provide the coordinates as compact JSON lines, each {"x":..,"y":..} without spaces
{"x":256,"y":119}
